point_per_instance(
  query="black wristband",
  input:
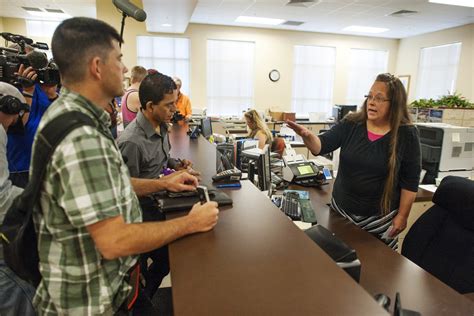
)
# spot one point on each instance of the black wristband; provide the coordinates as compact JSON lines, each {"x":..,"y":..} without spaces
{"x":27,"y":95}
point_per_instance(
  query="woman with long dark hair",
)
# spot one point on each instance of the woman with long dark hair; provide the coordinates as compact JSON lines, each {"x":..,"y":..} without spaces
{"x":380,"y":160}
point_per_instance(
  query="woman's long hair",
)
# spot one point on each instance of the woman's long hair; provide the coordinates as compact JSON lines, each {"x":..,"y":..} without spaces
{"x":398,"y":115}
{"x":259,"y":125}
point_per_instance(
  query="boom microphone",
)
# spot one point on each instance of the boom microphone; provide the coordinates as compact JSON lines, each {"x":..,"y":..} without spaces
{"x":130,"y":9}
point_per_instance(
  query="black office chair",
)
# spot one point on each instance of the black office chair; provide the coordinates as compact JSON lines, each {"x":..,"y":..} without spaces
{"x":442,"y":240}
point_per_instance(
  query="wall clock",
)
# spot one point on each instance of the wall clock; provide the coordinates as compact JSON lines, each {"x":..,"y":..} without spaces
{"x":274,"y":75}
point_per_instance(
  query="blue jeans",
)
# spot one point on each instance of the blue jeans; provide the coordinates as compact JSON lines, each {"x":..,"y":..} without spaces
{"x":16,"y":295}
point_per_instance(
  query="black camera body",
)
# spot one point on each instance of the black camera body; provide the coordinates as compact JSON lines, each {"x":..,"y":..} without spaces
{"x":11,"y":59}
{"x":177,"y":117}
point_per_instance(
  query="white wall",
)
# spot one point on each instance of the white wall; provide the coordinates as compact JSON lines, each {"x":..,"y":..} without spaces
{"x":409,"y":55}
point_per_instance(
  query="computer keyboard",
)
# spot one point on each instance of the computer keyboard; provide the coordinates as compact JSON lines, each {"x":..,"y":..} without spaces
{"x":290,"y":205}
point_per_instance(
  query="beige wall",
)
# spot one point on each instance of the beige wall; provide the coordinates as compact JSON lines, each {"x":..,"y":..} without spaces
{"x":18,"y":26}
{"x":409,"y":55}
{"x":274,"y":50}
{"x":1,"y":24}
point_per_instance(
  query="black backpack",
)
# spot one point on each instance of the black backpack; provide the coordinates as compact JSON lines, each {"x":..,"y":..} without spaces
{"x":20,"y":244}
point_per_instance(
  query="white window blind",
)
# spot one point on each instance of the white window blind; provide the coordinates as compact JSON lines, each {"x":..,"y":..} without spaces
{"x":41,"y":28}
{"x":437,"y":70}
{"x":230,"y":76}
{"x":168,"y":55}
{"x":365,"y":65}
{"x":313,"y":79}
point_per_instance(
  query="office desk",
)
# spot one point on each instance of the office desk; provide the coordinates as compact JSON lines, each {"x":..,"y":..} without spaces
{"x":255,"y":261}
{"x":386,"y":271}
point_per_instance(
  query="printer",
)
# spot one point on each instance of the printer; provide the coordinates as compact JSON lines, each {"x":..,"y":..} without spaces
{"x":344,"y":256}
{"x":446,"y":150}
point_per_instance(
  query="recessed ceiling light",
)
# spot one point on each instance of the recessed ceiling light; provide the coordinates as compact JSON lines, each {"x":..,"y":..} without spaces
{"x":49,"y":15}
{"x":462,"y":3}
{"x":259,"y":20}
{"x":365,"y":29}
{"x":166,"y":25}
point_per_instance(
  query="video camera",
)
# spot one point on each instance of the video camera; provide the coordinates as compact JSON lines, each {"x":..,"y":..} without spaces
{"x":11,"y":59}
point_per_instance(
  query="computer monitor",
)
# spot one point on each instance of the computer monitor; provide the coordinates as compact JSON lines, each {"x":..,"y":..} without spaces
{"x":206,"y":127}
{"x":340,"y":111}
{"x":225,"y":157}
{"x":264,"y":170}
{"x":243,"y":144}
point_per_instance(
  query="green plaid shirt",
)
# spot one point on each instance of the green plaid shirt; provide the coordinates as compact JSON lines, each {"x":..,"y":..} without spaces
{"x":86,"y":182}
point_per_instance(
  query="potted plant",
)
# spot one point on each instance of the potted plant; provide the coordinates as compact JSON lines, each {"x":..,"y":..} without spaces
{"x":454,"y":100}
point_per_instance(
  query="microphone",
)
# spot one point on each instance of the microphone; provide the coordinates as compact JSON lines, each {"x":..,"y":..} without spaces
{"x":40,"y":45}
{"x":130,"y":9}
{"x":38,"y":60}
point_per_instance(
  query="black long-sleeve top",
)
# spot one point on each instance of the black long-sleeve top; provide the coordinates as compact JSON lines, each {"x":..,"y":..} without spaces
{"x":363,"y":166}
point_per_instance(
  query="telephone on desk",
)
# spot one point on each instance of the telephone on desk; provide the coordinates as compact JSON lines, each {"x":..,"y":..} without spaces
{"x":306,"y":173}
{"x":228,"y":175}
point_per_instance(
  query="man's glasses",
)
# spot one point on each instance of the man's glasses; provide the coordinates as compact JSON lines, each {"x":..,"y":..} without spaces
{"x":377,"y":99}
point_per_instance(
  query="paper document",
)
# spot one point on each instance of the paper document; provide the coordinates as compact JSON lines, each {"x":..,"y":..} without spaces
{"x":428,"y":187}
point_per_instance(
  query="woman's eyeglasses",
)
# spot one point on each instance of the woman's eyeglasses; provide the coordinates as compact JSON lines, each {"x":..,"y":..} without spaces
{"x":377,"y":99}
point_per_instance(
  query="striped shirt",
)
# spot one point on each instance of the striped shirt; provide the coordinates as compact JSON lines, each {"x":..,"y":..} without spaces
{"x":86,"y":182}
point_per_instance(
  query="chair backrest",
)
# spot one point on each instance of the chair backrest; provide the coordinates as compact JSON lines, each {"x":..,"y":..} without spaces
{"x":442,"y":240}
{"x":278,"y":146}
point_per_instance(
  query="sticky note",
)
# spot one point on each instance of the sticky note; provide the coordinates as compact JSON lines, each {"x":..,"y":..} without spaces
{"x":456,"y":137}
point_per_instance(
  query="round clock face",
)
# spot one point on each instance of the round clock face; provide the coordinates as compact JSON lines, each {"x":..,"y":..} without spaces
{"x":274,"y":75}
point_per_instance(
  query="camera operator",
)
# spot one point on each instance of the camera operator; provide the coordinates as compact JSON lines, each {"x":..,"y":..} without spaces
{"x":20,"y":137}
{"x":15,"y":294}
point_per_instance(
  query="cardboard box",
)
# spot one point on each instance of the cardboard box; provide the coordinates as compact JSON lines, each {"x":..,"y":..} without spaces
{"x":289,"y":116}
{"x":276,"y":116}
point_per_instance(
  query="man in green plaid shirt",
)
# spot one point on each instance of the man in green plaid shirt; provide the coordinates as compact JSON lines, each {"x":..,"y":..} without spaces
{"x":89,"y":229}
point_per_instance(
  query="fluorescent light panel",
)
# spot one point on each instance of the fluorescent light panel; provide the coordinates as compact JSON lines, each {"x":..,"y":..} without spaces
{"x":166,"y":25}
{"x":258,"y":20}
{"x":49,"y":15}
{"x":364,"y":29}
{"x":462,"y":3}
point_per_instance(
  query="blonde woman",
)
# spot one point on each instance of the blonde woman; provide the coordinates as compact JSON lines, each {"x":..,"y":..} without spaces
{"x":258,"y":128}
{"x":380,"y":160}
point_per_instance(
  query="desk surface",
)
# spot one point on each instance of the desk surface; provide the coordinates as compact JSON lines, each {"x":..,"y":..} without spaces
{"x":386,"y":271}
{"x":253,"y":262}
{"x":256,"y":261}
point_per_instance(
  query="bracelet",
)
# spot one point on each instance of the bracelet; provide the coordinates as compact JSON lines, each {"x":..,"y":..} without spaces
{"x":27,"y":95}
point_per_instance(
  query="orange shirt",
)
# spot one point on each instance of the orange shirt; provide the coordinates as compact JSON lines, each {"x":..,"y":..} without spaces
{"x":183,"y":105}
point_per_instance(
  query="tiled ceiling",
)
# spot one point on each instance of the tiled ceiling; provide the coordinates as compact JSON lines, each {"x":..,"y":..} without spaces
{"x":331,"y":16}
{"x":327,"y":16}
{"x":13,"y":8}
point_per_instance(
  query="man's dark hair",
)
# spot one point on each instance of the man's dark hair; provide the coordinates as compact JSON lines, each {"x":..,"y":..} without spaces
{"x":77,"y":40}
{"x":154,"y":87}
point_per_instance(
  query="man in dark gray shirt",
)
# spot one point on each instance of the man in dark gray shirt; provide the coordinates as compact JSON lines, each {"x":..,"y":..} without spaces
{"x":145,"y":143}
{"x":145,"y":148}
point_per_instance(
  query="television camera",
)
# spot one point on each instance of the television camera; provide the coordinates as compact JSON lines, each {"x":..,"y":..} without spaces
{"x":11,"y":59}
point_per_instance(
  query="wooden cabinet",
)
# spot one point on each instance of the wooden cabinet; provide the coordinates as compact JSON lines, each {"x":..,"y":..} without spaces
{"x":417,"y":210}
